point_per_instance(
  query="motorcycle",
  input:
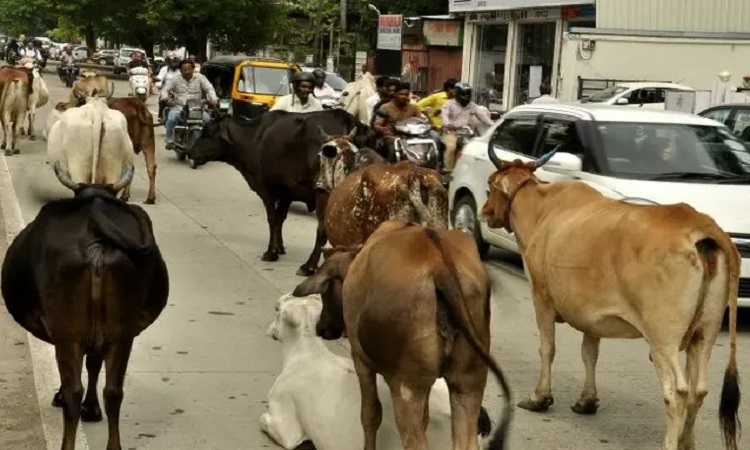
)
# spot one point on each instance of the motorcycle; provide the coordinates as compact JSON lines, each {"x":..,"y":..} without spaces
{"x":189,"y":128}
{"x":414,"y":144}
{"x":329,"y":102}
{"x":139,"y":83}
{"x":68,"y":74}
{"x":11,"y":56}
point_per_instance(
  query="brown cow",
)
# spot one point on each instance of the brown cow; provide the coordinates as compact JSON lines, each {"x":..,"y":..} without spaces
{"x":16,"y":88}
{"x":416,"y":306}
{"x":612,"y":269}
{"x":141,"y":131}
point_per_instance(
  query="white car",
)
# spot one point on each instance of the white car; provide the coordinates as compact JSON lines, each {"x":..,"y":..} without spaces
{"x":647,"y":95}
{"x":642,"y":156}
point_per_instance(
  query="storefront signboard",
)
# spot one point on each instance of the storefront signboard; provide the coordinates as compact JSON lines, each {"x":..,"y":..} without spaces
{"x":497,"y":5}
{"x":443,"y":32}
{"x":518,"y":14}
{"x":389,"y":32}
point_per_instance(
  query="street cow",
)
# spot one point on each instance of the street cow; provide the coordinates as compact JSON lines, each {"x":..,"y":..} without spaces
{"x":53,"y":116}
{"x":141,"y":131}
{"x":90,"y":145}
{"x":17,"y":87}
{"x":87,"y":276}
{"x":38,"y":98}
{"x":278,"y":155}
{"x":613,"y":269}
{"x":316,"y":396}
{"x":381,"y":192}
{"x":415,"y":304}
{"x":355,"y":95}
{"x":87,"y":85}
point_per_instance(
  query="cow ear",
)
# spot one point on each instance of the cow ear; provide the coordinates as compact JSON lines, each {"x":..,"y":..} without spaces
{"x":319,"y":282}
{"x":292,"y":315}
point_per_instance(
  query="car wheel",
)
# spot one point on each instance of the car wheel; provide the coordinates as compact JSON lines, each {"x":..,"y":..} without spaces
{"x":465,"y":219}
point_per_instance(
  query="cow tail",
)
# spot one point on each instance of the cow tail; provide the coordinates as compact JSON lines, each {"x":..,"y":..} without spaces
{"x":730,"y":393}
{"x":430,"y":201}
{"x":448,"y":284}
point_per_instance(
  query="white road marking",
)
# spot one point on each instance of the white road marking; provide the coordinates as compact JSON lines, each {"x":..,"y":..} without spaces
{"x":46,"y":377}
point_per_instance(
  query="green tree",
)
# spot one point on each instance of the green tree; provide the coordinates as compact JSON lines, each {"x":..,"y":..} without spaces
{"x":25,"y":17}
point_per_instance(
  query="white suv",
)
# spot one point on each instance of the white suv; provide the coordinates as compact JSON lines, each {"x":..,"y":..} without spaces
{"x":648,"y":95}
{"x":638,"y":155}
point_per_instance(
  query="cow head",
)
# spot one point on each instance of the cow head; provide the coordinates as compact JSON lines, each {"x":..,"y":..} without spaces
{"x":328,"y":282}
{"x":64,"y":176}
{"x":505,"y":183}
{"x":295,"y":317}
{"x":213,"y":144}
{"x":343,"y":153}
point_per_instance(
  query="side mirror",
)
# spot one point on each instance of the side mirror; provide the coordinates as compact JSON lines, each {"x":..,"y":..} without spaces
{"x":564,"y":163}
{"x":622,"y":101}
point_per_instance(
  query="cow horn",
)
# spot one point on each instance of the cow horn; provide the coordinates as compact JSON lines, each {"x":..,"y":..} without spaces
{"x":493,"y":156}
{"x":544,"y":159}
{"x":323,"y":134}
{"x":64,"y":176}
{"x":126,"y":178}
{"x":352,"y":134}
{"x":111,"y":89}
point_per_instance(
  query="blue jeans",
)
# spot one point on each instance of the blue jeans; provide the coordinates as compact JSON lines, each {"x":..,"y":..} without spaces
{"x":173,"y":115}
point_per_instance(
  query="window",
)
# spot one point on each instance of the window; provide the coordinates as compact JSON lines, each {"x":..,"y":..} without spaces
{"x":719,"y":115}
{"x":740,"y":125}
{"x":563,"y":133}
{"x":490,"y":70}
{"x":536,"y":52}
{"x":264,"y":80}
{"x":516,"y":135}
{"x":606,"y":94}
{"x":646,"y":96}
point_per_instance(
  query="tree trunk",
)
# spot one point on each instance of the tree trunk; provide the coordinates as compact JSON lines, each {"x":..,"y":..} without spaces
{"x":90,"y":38}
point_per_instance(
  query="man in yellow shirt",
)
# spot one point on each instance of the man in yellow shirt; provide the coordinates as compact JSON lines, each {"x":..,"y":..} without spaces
{"x":437,"y":100}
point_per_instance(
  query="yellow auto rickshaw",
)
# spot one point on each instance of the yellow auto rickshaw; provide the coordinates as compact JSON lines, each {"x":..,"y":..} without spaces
{"x":250,"y":85}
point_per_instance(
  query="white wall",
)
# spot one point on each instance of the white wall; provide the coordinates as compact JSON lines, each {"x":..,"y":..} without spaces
{"x":718,"y":16}
{"x":693,"y":62}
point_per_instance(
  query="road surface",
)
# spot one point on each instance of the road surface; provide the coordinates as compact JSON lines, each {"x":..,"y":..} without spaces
{"x":198,"y":378}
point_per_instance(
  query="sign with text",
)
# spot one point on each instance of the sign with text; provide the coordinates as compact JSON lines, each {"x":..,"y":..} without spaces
{"x":443,"y":32}
{"x":535,"y":14}
{"x":389,"y":31}
{"x":497,"y":5}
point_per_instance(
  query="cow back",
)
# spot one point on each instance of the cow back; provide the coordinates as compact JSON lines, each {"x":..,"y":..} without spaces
{"x":137,"y":116}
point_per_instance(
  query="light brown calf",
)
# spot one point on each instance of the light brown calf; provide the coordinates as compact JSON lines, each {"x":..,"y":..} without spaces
{"x":416,"y":306}
{"x":14,"y":102}
{"x":612,"y":269}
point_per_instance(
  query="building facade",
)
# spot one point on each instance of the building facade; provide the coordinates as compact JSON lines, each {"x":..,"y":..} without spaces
{"x":511,"y":47}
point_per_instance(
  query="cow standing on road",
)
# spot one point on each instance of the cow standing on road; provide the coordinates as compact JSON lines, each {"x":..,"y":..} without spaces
{"x":17,"y":86}
{"x":612,"y":269}
{"x":87,"y":276}
{"x":38,"y":98}
{"x":416,"y":306}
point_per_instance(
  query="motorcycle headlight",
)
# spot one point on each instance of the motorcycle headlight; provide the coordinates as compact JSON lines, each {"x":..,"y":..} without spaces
{"x":195,"y":114}
{"x":402,"y":129}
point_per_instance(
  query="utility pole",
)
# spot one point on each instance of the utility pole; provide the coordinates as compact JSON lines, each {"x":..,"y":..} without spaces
{"x":341,"y":33}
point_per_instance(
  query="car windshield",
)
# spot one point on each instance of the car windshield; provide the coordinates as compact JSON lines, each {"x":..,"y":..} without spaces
{"x":669,"y":152}
{"x":606,"y":94}
{"x":264,"y":80}
{"x":335,"y":81}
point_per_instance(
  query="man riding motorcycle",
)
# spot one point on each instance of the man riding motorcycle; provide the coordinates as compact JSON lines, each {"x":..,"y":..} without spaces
{"x":322,"y":89}
{"x":136,"y":60}
{"x":456,"y":113}
{"x":193,"y":60}
{"x":12,"y":45}
{"x":300,"y":101}
{"x":396,"y":110}
{"x":171,"y":69}
{"x":178,"y":90}
{"x":31,"y":52}
{"x":436,"y":101}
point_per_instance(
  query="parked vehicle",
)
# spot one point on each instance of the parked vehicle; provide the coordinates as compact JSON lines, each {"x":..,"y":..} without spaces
{"x":139,"y":83}
{"x":735,"y":116}
{"x":81,"y":52}
{"x":123,"y":57}
{"x":647,"y":95}
{"x":637,"y":155}
{"x":414,"y":144}
{"x":104,"y":57}
{"x":252,"y":84}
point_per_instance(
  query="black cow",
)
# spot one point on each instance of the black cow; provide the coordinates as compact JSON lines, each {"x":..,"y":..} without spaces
{"x":87,"y":276}
{"x":278,"y":156}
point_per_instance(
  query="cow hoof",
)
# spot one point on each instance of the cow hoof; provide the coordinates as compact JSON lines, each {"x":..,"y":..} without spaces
{"x":150,"y":201}
{"x":281,"y":250}
{"x":8,"y":152}
{"x":539,"y":405}
{"x":16,"y":151}
{"x":586,"y":407}
{"x":57,"y":400}
{"x":32,"y":137}
{"x":305,"y":271}
{"x":91,"y":413}
{"x":270,"y":257}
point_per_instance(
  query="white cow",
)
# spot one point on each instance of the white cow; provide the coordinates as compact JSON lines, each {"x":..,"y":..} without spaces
{"x":90,"y":145}
{"x":38,"y":98}
{"x":357,"y":93}
{"x":316,"y":397}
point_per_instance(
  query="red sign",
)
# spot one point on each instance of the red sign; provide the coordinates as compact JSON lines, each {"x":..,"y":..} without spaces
{"x":390,"y":21}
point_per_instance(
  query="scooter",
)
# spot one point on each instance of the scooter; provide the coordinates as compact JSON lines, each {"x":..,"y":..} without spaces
{"x":414,"y":144}
{"x":139,"y":83}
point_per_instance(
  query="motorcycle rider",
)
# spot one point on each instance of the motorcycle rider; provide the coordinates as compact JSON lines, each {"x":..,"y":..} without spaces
{"x":436,"y":101}
{"x":12,"y":45}
{"x":386,"y":95}
{"x":136,"y":60}
{"x":178,"y":90}
{"x":171,"y":69}
{"x":300,"y":101}
{"x":192,"y":59}
{"x":30,"y":51}
{"x":322,"y":89}
{"x":458,"y":112}
{"x":396,"y":110}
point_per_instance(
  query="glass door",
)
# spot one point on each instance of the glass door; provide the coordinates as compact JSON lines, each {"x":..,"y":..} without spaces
{"x":535,"y":59}
{"x":489,"y":77}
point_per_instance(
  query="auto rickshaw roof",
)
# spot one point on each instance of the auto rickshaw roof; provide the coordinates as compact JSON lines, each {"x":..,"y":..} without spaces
{"x":231,"y":61}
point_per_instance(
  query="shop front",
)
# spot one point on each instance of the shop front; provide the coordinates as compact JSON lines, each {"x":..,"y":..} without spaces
{"x":509,"y":53}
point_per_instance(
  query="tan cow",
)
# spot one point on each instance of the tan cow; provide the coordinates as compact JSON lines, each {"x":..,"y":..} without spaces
{"x":38,"y":98}
{"x":87,"y":85}
{"x":612,"y":269}
{"x":13,"y":104}
{"x":416,"y":306}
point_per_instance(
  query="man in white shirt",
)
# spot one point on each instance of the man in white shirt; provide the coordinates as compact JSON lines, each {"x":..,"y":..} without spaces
{"x":322,"y":89}
{"x":300,"y":101}
{"x":546,"y":97}
{"x":30,"y":52}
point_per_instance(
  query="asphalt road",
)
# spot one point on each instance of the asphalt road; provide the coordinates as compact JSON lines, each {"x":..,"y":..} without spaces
{"x":198,"y":378}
